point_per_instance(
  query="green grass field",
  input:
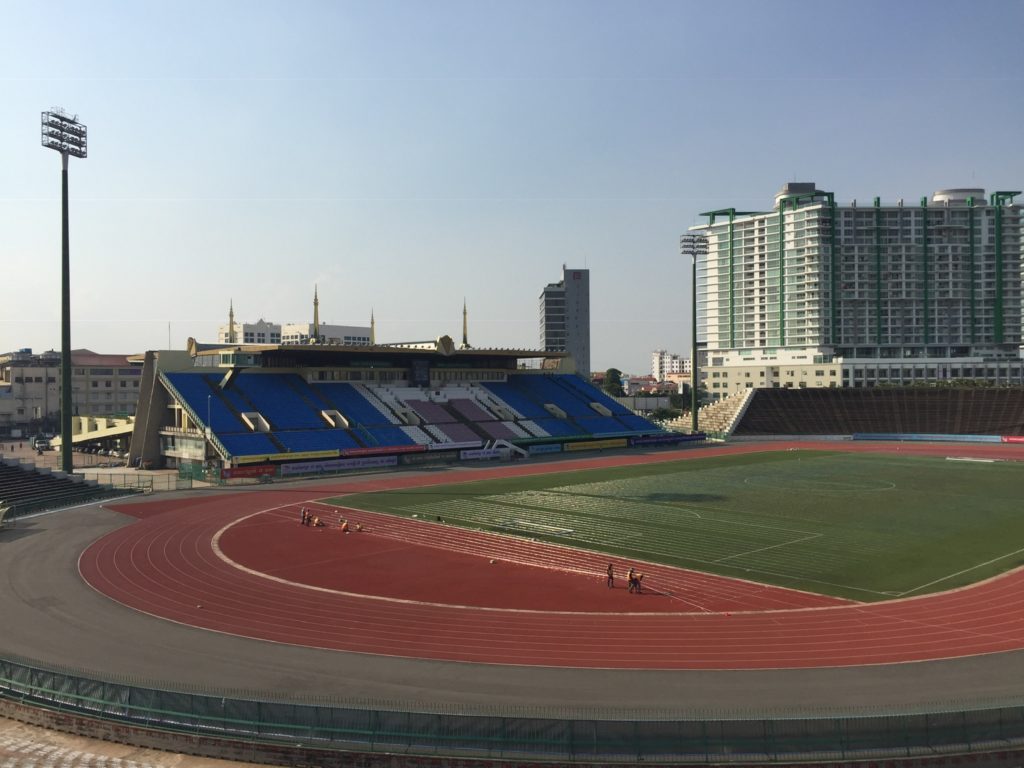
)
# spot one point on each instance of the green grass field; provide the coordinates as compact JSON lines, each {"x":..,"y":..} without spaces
{"x":861,"y":526}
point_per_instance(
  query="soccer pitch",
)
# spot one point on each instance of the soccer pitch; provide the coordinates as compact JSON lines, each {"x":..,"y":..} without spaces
{"x":861,"y":526}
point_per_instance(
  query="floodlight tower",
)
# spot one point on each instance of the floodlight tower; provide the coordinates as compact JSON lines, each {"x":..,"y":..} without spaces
{"x":693,"y":246}
{"x":65,"y":134}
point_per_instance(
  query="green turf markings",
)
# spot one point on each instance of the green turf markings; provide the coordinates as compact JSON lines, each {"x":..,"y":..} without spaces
{"x":865,"y":526}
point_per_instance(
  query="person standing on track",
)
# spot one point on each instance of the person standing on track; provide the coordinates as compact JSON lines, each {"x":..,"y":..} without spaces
{"x":303,"y":516}
{"x":631,"y":578}
{"x":611,"y":576}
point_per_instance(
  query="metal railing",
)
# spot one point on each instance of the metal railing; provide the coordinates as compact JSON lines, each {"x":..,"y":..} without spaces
{"x":516,"y":734}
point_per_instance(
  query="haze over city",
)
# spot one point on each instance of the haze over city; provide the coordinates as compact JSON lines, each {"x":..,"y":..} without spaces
{"x":404,"y":157}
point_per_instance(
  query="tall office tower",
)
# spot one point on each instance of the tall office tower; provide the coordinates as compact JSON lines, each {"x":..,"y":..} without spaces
{"x":565,"y":317}
{"x":813,"y":293}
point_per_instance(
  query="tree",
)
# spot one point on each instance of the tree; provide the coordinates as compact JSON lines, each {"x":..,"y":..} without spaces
{"x":613,"y":382}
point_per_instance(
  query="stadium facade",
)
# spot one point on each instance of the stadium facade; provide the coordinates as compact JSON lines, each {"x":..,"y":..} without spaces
{"x":817,"y":294}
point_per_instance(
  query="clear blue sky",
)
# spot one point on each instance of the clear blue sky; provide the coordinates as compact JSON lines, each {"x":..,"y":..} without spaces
{"x":404,"y":155}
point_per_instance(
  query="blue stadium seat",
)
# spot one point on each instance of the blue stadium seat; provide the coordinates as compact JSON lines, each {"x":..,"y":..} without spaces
{"x":350,"y":402}
{"x":316,"y":440}
{"x":276,"y":398}
{"x":247,"y":445}
{"x":201,"y":393}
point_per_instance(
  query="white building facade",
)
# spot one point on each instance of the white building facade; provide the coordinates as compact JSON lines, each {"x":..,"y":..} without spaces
{"x":664,"y":363}
{"x":306,"y":333}
{"x":565,"y":317}
{"x":815,"y":294}
{"x":260,"y":332}
{"x":101,"y":385}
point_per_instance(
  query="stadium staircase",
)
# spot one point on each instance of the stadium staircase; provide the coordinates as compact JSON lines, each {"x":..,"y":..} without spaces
{"x":166,"y":381}
{"x":718,"y":418}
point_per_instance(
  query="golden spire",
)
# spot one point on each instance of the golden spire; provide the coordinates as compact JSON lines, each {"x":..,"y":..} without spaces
{"x":231,"y":322}
{"x":373,"y":329}
{"x":465,"y":325}
{"x":316,"y":316}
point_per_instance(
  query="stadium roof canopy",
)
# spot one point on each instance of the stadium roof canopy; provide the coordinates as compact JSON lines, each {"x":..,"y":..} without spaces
{"x":441,"y":350}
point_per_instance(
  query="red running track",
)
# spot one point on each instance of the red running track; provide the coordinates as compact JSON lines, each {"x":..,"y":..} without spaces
{"x":242,"y":564}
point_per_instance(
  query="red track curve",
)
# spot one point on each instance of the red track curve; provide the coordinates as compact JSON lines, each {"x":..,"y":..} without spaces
{"x":167,"y":565}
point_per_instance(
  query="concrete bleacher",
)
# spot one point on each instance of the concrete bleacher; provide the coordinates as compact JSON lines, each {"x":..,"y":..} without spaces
{"x":430,"y":413}
{"x":470,"y":409}
{"x":24,"y":489}
{"x":905,"y":410}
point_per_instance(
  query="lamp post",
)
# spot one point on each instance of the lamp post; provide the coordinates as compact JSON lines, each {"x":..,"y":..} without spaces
{"x":65,"y":134}
{"x":693,"y":246}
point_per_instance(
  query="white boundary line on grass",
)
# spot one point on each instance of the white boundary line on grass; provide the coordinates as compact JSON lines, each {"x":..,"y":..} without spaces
{"x":771,"y":546}
{"x":960,"y":572}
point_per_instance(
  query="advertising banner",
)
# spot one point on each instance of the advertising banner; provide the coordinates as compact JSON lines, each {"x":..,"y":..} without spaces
{"x":545,"y":448}
{"x":436,"y":457}
{"x":666,"y":439}
{"x":388,"y":449}
{"x":596,"y":445}
{"x":483,"y":454}
{"x":259,"y":470}
{"x":453,"y":446}
{"x":337,"y":465}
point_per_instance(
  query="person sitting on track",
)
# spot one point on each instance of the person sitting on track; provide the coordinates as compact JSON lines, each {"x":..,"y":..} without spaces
{"x":317,"y":522}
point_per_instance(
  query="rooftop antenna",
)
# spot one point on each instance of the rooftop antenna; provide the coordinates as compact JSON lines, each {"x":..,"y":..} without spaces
{"x":316,"y":315}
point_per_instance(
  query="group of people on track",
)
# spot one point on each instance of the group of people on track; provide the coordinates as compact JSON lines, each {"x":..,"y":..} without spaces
{"x":633,"y":578}
{"x":308,"y":519}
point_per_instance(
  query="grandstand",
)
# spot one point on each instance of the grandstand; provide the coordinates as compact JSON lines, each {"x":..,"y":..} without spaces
{"x":271,"y":404}
{"x":24,"y":489}
{"x":895,"y":410}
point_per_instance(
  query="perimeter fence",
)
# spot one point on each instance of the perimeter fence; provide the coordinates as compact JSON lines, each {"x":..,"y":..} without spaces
{"x":516,"y":733}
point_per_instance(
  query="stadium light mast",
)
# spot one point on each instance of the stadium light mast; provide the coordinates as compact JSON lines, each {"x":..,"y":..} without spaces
{"x":693,"y":246}
{"x":65,"y":134}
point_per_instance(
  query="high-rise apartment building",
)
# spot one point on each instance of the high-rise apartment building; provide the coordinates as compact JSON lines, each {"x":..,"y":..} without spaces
{"x":565,"y":317}
{"x":813,"y":293}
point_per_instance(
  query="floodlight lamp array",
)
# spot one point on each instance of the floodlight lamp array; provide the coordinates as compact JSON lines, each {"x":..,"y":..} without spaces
{"x":693,"y":245}
{"x":64,"y":133}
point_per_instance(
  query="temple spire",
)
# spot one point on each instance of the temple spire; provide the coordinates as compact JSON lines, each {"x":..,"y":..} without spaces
{"x":465,"y":325}
{"x":316,"y":316}
{"x":231,"y":322}
{"x":373,"y":329}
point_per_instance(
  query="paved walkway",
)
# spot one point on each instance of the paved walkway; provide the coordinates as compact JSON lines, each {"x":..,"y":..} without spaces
{"x":26,"y":746}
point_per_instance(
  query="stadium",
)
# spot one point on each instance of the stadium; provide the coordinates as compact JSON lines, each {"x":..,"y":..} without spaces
{"x":845,"y":599}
